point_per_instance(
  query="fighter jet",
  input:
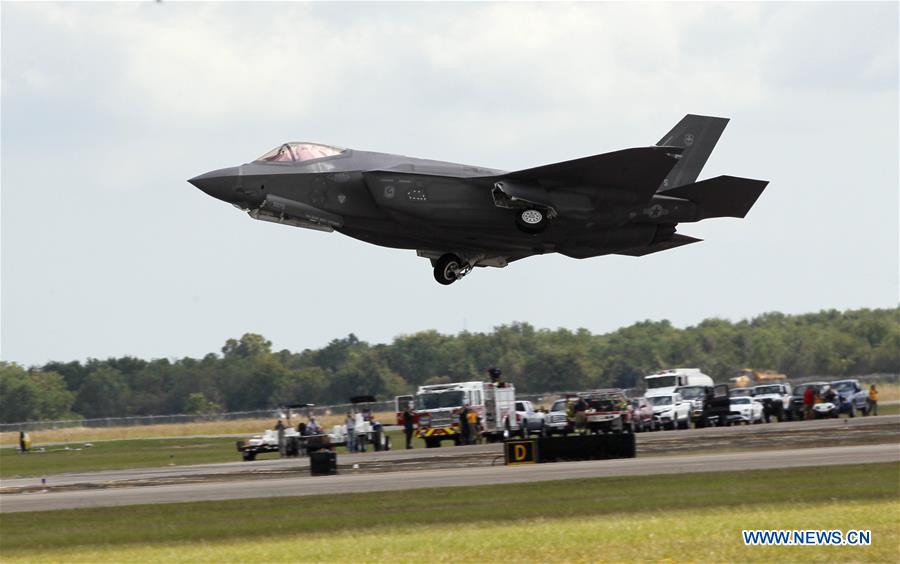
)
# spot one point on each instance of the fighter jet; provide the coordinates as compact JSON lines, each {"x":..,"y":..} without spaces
{"x":625,"y":202}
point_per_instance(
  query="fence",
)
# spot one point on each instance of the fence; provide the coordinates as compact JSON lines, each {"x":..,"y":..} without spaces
{"x":135,"y":421}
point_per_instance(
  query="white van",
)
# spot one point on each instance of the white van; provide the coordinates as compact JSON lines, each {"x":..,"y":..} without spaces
{"x":665,"y":382}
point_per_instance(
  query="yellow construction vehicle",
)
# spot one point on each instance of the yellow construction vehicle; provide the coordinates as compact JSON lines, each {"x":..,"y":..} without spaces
{"x":749,"y":376}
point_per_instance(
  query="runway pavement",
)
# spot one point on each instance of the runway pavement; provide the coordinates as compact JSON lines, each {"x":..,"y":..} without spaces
{"x":788,"y":435}
{"x":415,"y":479}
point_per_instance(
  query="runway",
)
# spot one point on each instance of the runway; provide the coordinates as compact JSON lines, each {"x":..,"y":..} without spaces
{"x":855,"y":431}
{"x":416,"y":479}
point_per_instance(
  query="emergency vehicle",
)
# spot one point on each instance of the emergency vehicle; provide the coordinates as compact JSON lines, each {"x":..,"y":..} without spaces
{"x":438,"y":406}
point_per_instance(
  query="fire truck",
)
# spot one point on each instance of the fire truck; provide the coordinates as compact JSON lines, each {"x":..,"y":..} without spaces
{"x":438,"y":406}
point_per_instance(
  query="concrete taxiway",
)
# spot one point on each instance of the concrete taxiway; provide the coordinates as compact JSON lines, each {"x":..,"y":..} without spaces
{"x":439,"y":478}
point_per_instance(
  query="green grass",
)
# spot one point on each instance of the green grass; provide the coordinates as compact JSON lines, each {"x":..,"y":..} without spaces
{"x":692,"y":516}
{"x":136,"y":453}
{"x":108,"y":455}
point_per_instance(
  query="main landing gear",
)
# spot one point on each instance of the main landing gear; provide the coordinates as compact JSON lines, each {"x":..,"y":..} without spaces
{"x":450,"y":268}
{"x":531,"y":220}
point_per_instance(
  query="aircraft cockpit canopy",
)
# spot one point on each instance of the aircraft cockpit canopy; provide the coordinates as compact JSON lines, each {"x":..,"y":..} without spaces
{"x":299,"y":152}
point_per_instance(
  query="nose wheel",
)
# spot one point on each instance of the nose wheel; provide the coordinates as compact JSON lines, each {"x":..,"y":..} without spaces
{"x":450,"y":268}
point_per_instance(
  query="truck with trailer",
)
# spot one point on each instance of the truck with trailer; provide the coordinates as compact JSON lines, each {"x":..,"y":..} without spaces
{"x":438,"y":407}
{"x":664,"y":383}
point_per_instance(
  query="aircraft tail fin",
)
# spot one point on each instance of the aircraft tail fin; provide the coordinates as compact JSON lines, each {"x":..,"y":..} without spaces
{"x":697,"y":136}
{"x":722,"y":196}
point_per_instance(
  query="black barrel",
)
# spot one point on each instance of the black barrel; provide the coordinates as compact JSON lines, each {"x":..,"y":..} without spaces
{"x":322,"y":463}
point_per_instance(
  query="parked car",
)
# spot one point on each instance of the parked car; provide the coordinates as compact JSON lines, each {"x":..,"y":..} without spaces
{"x":776,"y":400}
{"x":750,"y":410}
{"x":741,"y":393}
{"x":696,"y":395}
{"x":560,"y":421}
{"x":530,"y":419}
{"x":796,"y":408}
{"x":712,"y":408}
{"x":642,"y":415}
{"x":670,"y":411}
{"x":853,"y":398}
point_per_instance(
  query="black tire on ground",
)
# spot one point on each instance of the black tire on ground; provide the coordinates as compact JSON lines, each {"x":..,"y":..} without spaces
{"x":432,"y":443}
{"x":249,"y":456}
{"x":531,"y":220}
{"x":852,"y":410}
{"x":446,"y":267}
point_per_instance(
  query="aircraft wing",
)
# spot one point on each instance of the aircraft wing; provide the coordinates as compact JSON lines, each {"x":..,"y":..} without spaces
{"x":638,"y":172}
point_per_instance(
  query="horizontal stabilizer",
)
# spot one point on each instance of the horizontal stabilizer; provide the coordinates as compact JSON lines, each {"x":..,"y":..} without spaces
{"x":637,"y":172}
{"x":677,"y":240}
{"x":722,"y":196}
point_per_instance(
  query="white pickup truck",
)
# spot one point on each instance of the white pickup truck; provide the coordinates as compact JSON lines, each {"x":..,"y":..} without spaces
{"x":530,"y":420}
{"x":776,"y":400}
{"x":670,"y":411}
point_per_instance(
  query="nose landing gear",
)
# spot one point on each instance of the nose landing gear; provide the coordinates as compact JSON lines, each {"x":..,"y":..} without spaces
{"x":450,"y":268}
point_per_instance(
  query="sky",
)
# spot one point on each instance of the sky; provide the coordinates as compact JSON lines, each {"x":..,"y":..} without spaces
{"x":108,"y":108}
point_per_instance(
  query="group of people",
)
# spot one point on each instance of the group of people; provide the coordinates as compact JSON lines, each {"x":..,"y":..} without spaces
{"x":356,"y":442}
{"x":811,"y":397}
{"x":311,"y":427}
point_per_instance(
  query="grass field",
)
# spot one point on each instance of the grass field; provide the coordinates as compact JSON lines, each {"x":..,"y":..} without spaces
{"x":695,"y":517}
{"x":136,"y":453}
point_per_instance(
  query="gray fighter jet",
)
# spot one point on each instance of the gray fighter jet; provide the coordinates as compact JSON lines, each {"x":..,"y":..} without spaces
{"x":626,"y":202}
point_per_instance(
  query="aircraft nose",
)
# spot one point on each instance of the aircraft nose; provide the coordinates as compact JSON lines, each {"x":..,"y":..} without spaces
{"x":219,"y":184}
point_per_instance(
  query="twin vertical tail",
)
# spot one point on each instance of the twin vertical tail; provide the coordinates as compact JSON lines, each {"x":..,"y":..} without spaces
{"x":722,"y":196}
{"x":696,"y":136}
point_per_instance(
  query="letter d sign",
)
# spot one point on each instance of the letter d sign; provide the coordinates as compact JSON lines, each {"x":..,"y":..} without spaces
{"x":521,"y":452}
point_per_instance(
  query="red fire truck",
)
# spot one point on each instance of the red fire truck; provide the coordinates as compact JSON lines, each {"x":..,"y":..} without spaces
{"x":438,"y":406}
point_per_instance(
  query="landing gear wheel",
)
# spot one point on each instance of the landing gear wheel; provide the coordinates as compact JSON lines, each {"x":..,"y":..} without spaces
{"x":447,"y":269}
{"x":531,"y":220}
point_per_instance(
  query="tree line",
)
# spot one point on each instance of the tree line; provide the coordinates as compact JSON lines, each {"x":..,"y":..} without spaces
{"x":247,"y":374}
